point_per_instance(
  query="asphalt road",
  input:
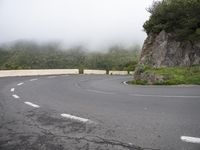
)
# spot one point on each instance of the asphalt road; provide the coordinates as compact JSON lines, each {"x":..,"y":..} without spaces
{"x":96,"y":112}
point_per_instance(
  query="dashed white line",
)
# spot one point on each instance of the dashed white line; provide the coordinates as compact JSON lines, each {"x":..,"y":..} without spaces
{"x":76,"y":118}
{"x":166,"y":96}
{"x":20,"y":83}
{"x":15,"y":96}
{"x":31,"y":104}
{"x":33,"y":79}
{"x":12,"y":89}
{"x":190,"y":139}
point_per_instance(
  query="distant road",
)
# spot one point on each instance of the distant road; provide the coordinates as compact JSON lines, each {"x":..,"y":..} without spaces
{"x":97,"y":112}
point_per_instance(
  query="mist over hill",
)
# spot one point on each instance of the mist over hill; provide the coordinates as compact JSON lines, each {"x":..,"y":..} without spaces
{"x":31,"y":55}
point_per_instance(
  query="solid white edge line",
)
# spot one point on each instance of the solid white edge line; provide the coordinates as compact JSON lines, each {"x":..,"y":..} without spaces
{"x":33,"y":79}
{"x":20,"y":83}
{"x":189,"y":139}
{"x":100,"y":92}
{"x":51,"y":77}
{"x":65,"y":75}
{"x":31,"y":104}
{"x":76,"y":118}
{"x":15,"y":96}
{"x":12,"y":89}
{"x":167,"y":96}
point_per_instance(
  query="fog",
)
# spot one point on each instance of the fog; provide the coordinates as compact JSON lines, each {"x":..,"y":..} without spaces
{"x":95,"y":24}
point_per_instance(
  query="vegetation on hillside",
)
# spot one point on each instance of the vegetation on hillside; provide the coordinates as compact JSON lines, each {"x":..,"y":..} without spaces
{"x":29,"y":55}
{"x":181,"y":17}
{"x":172,"y":75}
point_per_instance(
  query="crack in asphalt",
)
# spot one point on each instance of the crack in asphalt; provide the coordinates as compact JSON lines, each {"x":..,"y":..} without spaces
{"x":100,"y":140}
{"x":88,"y":138}
{"x":50,"y":134}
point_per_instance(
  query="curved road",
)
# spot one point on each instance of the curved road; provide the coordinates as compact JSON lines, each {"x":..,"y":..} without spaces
{"x":97,"y":112}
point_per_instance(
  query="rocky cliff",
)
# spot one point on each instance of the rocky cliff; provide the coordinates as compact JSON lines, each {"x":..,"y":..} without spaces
{"x":163,"y":50}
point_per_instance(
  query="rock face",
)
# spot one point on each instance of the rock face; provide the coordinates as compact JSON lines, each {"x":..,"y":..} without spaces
{"x":163,"y":50}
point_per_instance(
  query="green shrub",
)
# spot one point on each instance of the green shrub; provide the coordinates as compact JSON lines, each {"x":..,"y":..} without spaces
{"x":181,"y":17}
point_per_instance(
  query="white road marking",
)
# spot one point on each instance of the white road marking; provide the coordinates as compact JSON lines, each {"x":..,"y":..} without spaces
{"x":12,"y":89}
{"x":125,"y":82}
{"x":20,"y":83}
{"x":167,"y":96}
{"x":190,"y":139}
{"x":76,"y":118}
{"x":51,"y":77}
{"x":33,"y":79}
{"x":101,"y":92}
{"x":65,"y":75}
{"x":15,"y":96}
{"x":31,"y":104}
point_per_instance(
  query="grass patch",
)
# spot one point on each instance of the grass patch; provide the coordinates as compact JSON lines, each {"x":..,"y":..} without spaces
{"x":139,"y":82}
{"x":173,"y":75}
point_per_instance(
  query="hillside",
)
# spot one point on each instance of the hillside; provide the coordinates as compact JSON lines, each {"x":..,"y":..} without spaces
{"x":30,"y":55}
{"x":173,"y":41}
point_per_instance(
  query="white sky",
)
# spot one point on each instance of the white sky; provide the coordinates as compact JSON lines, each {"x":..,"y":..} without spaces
{"x":94,"y":23}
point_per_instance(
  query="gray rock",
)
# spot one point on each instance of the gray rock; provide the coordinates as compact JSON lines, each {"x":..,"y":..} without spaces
{"x":163,"y":50}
